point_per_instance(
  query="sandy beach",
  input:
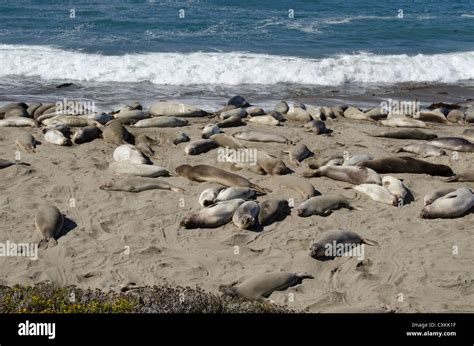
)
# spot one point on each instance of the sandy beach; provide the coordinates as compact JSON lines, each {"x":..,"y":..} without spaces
{"x":114,"y":239}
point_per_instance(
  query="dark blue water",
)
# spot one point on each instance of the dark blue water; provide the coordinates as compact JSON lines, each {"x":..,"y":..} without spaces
{"x":216,"y":44}
{"x":318,"y":29}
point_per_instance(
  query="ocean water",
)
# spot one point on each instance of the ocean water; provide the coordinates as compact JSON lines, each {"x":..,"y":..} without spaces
{"x":212,"y":49}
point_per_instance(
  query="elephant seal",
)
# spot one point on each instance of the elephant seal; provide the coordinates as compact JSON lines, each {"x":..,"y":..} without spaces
{"x":324,"y":205}
{"x":85,"y":134}
{"x":254,"y":111}
{"x":403,"y":122}
{"x":57,"y":137}
{"x":246,"y":215}
{"x":128,"y":152}
{"x":145,"y":145}
{"x":281,"y":107}
{"x":452,"y":205}
{"x":326,"y":246}
{"x":49,"y":222}
{"x":298,"y":153}
{"x":317,"y":162}
{"x":396,"y":188}
{"x":6,"y":163}
{"x":317,"y":126}
{"x":456,"y":116}
{"x":139,"y":184}
{"x":433,"y":196}
{"x":355,"y":159}
{"x":239,"y":112}
{"x":462,"y":177}
{"x":261,"y":286}
{"x":161,"y":122}
{"x":272,"y":210}
{"x":72,"y":121}
{"x":351,"y":174}
{"x":142,"y":170}
{"x":264,"y":120}
{"x":116,"y":133}
{"x":238,"y":102}
{"x":200,"y":146}
{"x":26,"y":142}
{"x":453,"y":143}
{"x":128,"y":115}
{"x":17,"y":112}
{"x":434,"y":116}
{"x":300,"y":185}
{"x":377,"y":193}
{"x":18,"y":122}
{"x":469,"y":135}
{"x":356,"y":114}
{"x":179,"y":137}
{"x":271,"y":164}
{"x":414,"y":134}
{"x":226,"y":141}
{"x":202,"y":173}
{"x":406,"y":165}
{"x":212,"y":217}
{"x":235,"y":192}
{"x":209,"y":130}
{"x":423,"y":149}
{"x":208,"y":196}
{"x":258,"y":136}
{"x":232,"y":121}
{"x":165,"y":108}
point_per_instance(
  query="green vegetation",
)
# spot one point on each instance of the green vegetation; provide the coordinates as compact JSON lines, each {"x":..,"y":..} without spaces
{"x":47,"y":298}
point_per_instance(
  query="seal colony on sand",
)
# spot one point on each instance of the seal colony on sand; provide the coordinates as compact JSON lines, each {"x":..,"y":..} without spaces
{"x":276,"y":223}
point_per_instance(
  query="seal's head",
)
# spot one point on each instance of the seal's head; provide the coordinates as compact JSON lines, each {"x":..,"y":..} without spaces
{"x":181,"y":170}
{"x":317,"y":251}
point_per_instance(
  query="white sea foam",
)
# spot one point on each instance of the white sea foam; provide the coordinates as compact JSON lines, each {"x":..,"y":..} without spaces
{"x":233,"y":68}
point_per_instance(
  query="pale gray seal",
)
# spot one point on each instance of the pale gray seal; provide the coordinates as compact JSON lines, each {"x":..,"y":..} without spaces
{"x":433,"y":196}
{"x":161,"y":122}
{"x":423,"y":149}
{"x":377,"y":193}
{"x":213,"y":216}
{"x":246,"y":215}
{"x":261,"y":286}
{"x":229,"y":193}
{"x":208,"y":196}
{"x":165,"y":108}
{"x":452,"y":205}
{"x":49,"y":222}
{"x":259,"y":136}
{"x":139,"y":184}
{"x":351,"y":174}
{"x":453,"y":143}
